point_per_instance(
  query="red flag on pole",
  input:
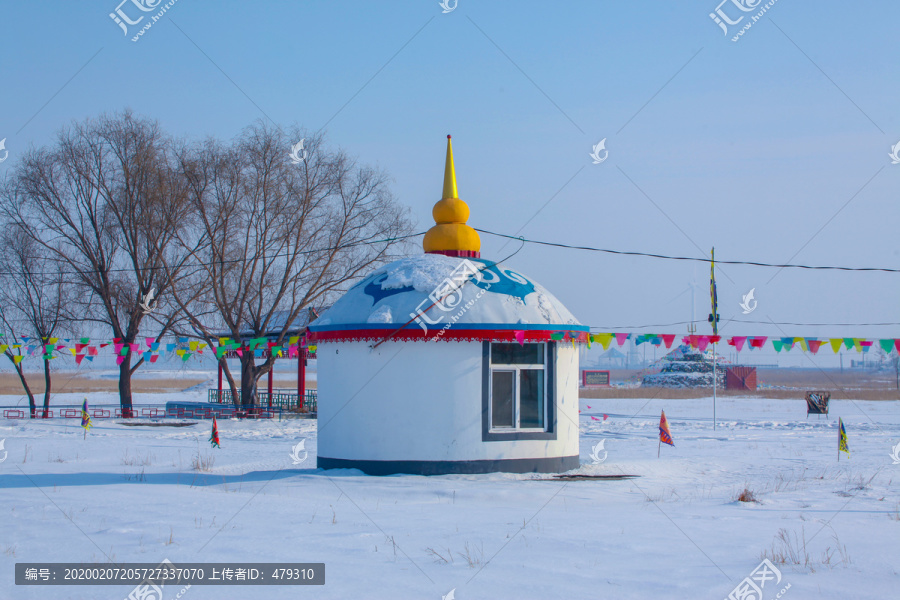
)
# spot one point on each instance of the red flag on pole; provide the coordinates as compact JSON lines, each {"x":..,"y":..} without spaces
{"x":214,"y":436}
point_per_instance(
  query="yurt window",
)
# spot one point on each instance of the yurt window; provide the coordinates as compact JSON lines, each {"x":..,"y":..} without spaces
{"x":517,"y":384}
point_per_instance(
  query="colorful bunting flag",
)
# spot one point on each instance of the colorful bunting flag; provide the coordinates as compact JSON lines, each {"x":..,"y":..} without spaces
{"x":214,"y":436}
{"x":842,"y":439}
{"x":85,"y":417}
{"x":665,"y":436}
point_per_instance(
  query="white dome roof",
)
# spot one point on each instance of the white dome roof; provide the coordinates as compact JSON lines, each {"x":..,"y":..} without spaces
{"x":496,"y":297}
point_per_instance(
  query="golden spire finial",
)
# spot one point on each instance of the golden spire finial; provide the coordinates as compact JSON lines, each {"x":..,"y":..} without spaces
{"x":449,"y":174}
{"x":450,"y":235}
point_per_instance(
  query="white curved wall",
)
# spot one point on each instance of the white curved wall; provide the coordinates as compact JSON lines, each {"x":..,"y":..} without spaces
{"x":422,"y":401}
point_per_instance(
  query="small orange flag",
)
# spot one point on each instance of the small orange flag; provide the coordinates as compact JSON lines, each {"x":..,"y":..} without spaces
{"x":664,"y":435}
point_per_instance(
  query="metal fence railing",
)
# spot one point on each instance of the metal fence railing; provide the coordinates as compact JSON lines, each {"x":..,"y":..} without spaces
{"x":286,"y":399}
{"x":175,"y":410}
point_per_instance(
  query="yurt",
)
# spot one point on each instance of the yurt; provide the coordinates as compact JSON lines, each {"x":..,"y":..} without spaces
{"x":447,"y":362}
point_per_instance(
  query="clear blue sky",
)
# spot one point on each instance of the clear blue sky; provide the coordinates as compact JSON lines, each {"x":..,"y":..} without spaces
{"x":752,"y":146}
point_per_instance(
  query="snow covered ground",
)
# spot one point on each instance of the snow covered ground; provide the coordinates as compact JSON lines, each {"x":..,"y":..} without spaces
{"x":130,"y":494}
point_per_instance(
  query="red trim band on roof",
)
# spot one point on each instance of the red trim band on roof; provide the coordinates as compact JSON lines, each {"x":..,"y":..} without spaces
{"x":457,"y":253}
{"x":456,"y":334}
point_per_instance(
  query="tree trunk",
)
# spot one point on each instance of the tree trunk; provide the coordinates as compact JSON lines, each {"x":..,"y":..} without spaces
{"x":24,"y":384}
{"x":46,"y":387}
{"x":235,"y":398}
{"x":249,"y":376}
{"x":125,"y":386}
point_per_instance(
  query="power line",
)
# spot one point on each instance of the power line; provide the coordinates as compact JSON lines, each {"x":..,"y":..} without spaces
{"x":687,"y":258}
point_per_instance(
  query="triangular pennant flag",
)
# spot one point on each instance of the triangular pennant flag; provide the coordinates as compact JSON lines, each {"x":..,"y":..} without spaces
{"x":777,"y":345}
{"x":702,"y":342}
{"x":621,"y":337}
{"x":668,"y":339}
{"x":814,"y":345}
{"x":758,"y":341}
{"x":739,"y":342}
{"x":79,"y":358}
{"x":603,"y":339}
{"x":848,"y":342}
{"x":887,"y":345}
{"x":836,"y":344}
{"x":520,"y":336}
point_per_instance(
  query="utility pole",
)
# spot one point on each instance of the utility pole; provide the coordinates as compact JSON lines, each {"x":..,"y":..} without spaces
{"x":714,"y":319}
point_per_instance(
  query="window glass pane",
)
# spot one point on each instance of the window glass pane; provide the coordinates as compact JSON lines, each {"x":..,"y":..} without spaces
{"x":531,"y":398}
{"x":502,"y":394}
{"x":517,"y":354}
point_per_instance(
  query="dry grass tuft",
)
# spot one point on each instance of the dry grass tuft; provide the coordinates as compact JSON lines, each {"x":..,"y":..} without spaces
{"x":203,"y":462}
{"x":747,"y":495}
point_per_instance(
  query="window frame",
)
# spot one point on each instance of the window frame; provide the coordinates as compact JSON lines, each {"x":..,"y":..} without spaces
{"x":548,"y":432}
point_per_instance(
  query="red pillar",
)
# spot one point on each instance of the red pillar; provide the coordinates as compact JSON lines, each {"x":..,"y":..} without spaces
{"x":301,"y":377}
{"x":271,"y":378}
{"x":219,"y":397}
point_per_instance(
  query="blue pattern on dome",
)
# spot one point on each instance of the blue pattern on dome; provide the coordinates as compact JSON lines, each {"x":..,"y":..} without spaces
{"x":502,"y":281}
{"x":374,"y":289}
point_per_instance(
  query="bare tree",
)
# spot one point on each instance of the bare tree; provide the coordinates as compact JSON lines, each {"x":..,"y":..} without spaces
{"x":35,"y":296}
{"x":12,"y":349}
{"x":271,"y":236}
{"x":104,"y":202}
